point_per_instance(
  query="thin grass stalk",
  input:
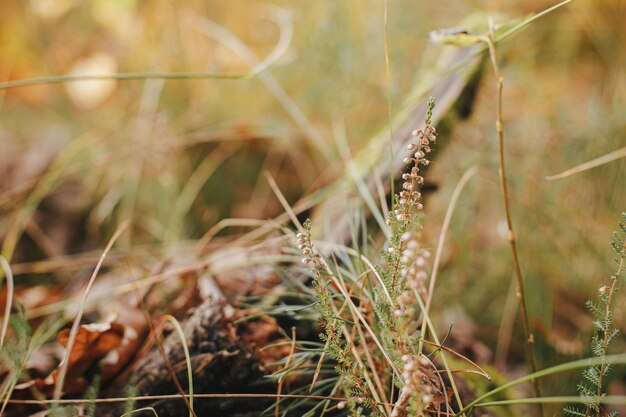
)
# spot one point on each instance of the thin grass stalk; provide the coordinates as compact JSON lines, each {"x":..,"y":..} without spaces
{"x":183,"y":341}
{"x":442,"y":236}
{"x":355,"y":312}
{"x":357,"y":358}
{"x":321,"y":360}
{"x":594,"y":163}
{"x":368,"y":356}
{"x":362,"y":258}
{"x":154,"y":333}
{"x":530,"y":339}
{"x":507,"y":324}
{"x":480,"y":371}
{"x":124,"y":76}
{"x":139,"y":410}
{"x":388,"y":75}
{"x":280,"y":380}
{"x":457,"y":396}
{"x":63,"y":368}
{"x":192,"y":188}
{"x":368,"y":328}
{"x":608,"y":400}
{"x":211,"y":264}
{"x":564,"y":367}
{"x":530,"y":20}
{"x":258,"y":67}
{"x":172,"y":397}
{"x":285,"y":24}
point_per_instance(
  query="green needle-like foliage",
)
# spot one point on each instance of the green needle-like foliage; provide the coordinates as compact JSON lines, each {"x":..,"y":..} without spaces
{"x":594,"y":377}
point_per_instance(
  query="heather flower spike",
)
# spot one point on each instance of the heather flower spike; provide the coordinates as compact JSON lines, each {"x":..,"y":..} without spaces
{"x":420,"y":147}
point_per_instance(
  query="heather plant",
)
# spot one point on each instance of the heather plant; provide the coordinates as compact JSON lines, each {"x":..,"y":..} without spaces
{"x":592,"y":387}
{"x":388,"y":329}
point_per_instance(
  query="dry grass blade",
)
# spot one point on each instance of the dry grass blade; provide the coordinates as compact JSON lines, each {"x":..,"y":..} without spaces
{"x":58,"y":388}
{"x":480,"y":371}
{"x":9,"y":302}
{"x":594,"y":163}
{"x":318,"y":368}
{"x":368,"y":356}
{"x":284,"y":21}
{"x":183,"y":340}
{"x":280,"y":380}
{"x":170,"y":397}
{"x":448,"y":370}
{"x":155,"y":335}
{"x":193,"y":187}
{"x":283,"y":201}
{"x":221,"y":225}
{"x":350,"y":251}
{"x":258,"y":68}
{"x":442,"y":236}
{"x":358,"y":314}
{"x":221,"y":262}
{"x":388,"y":76}
{"x":139,"y":410}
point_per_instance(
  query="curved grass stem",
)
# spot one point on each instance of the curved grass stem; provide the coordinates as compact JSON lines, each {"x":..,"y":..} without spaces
{"x":619,"y":359}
